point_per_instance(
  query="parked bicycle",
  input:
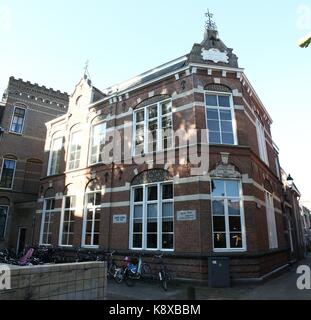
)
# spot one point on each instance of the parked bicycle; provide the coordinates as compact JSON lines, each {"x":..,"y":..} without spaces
{"x":113,"y":271}
{"x":163,"y":273}
{"x":135,"y":269}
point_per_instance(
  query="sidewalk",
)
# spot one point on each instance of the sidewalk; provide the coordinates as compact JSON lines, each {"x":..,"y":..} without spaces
{"x":281,"y":288}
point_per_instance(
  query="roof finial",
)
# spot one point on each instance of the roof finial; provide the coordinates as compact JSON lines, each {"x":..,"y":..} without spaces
{"x":210,"y":24}
{"x":86,"y":68}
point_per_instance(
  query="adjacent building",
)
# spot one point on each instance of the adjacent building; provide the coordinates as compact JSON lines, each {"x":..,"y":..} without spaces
{"x":134,"y":200}
{"x":24,"y":109}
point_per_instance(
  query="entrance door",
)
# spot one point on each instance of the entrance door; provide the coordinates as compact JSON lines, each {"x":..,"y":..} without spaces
{"x":21,"y":240}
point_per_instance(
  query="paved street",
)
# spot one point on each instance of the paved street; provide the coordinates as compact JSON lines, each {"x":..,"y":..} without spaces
{"x":281,"y":288}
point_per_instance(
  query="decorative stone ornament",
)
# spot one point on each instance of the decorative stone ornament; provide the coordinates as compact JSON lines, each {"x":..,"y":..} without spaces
{"x":215,"y":55}
{"x":225,"y":170}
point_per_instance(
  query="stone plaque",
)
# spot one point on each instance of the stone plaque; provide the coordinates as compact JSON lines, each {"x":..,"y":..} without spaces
{"x":119,"y":219}
{"x":189,"y":215}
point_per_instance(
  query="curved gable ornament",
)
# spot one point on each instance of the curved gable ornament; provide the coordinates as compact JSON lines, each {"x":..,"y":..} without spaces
{"x":215,"y":55}
{"x":225,"y":170}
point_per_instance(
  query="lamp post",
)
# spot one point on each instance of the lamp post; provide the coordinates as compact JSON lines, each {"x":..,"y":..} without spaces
{"x":290,"y":181}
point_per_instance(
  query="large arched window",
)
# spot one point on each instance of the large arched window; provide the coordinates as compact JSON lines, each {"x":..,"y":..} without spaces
{"x":98,"y":138}
{"x":153,"y":125}
{"x":92,"y":215}
{"x":220,"y":115}
{"x":152,"y":211}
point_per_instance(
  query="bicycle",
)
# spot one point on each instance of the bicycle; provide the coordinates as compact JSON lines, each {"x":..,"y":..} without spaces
{"x":163,"y":273}
{"x":113,"y":271}
{"x":135,"y":271}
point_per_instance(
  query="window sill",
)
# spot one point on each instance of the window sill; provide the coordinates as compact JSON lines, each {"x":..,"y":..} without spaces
{"x":229,"y":250}
{"x":16,"y":133}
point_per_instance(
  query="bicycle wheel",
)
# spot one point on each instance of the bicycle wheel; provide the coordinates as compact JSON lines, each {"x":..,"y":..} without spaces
{"x":129,"y":280}
{"x":111,"y":271}
{"x":164,"y":277}
{"x":118,"y":275}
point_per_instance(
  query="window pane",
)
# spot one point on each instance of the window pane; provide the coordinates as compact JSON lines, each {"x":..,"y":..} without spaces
{"x":219,"y":224}
{"x":96,"y":240}
{"x":167,"y":225}
{"x":234,"y":207}
{"x":167,"y":241}
{"x":220,"y":241}
{"x":227,"y":138}
{"x":235,"y":224}
{"x":153,"y":193}
{"x":138,"y":194}
{"x":3,"y":216}
{"x":226,"y":126}
{"x":98,"y":197}
{"x":232,"y":189}
{"x":137,"y":240}
{"x":166,"y":108}
{"x":213,"y":125}
{"x":138,"y":226}
{"x":140,"y":116}
{"x":152,"y":241}
{"x":225,"y":115}
{"x":152,"y":225}
{"x":211,"y":100}
{"x":212,"y":114}
{"x":167,"y":191}
{"x":218,"y":208}
{"x":214,"y":137}
{"x":152,"y":211}
{"x":236,"y":240}
{"x":224,"y":101}
{"x":218,"y":188}
{"x":167,"y":210}
{"x":153,"y":112}
{"x":138,"y":212}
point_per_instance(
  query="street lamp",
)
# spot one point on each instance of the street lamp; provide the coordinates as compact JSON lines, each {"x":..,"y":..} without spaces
{"x":290,"y":180}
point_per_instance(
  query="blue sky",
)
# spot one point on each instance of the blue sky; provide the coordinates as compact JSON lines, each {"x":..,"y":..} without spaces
{"x":48,"y":42}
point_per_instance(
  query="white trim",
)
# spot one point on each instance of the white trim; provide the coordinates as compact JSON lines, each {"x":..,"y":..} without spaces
{"x":54,"y":138}
{"x":43,"y":221}
{"x":62,"y":217}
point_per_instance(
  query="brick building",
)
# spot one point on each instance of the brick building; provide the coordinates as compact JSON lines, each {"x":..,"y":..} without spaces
{"x":135,"y":200}
{"x":24,"y":109}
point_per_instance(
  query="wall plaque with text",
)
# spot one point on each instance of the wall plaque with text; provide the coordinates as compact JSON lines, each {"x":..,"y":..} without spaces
{"x":119,"y":219}
{"x":189,"y":215}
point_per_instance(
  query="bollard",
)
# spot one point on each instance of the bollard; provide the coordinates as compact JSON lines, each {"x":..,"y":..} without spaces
{"x":191,"y":293}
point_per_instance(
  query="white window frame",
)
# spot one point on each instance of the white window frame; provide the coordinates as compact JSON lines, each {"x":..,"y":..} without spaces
{"x":271,"y":221}
{"x":262,"y":145}
{"x":61,"y":229}
{"x":69,"y":150}
{"x":91,"y":143}
{"x":13,"y":177}
{"x":43,"y":220}
{"x":24,"y":119}
{"x":6,"y":219}
{"x":159,"y":202}
{"x":146,"y":127}
{"x":234,"y":122}
{"x":242,"y":216}
{"x":94,"y":208}
{"x":50,"y":173}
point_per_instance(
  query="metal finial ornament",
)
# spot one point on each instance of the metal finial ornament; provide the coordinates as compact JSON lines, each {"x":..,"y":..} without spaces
{"x":86,"y":68}
{"x":210,"y":24}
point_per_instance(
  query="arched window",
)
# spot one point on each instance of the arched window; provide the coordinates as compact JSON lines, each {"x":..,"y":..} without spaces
{"x":92,"y":214}
{"x":220,"y":115}
{"x":4,"y":212}
{"x":18,"y":120}
{"x":98,"y":139}
{"x":153,"y":126}
{"x":75,"y":146}
{"x":54,"y":166}
{"x":47,"y":217}
{"x":7,"y":172}
{"x":152,"y":211}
